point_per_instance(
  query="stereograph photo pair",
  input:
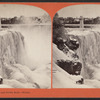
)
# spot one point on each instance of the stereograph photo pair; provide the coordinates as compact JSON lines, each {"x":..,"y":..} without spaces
{"x":26,"y":41}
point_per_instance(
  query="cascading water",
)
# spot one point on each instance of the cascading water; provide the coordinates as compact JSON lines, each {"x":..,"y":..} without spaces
{"x":89,"y":54}
{"x":25,"y":57}
{"x":12,"y":48}
{"x":37,"y":43}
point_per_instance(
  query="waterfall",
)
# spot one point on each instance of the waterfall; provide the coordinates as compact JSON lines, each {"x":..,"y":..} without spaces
{"x":11,"y":48}
{"x":25,"y":57}
{"x":89,"y":51}
{"x":37,"y":44}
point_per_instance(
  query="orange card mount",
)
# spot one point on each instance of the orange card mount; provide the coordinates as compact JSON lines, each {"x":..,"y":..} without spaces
{"x":51,"y":8}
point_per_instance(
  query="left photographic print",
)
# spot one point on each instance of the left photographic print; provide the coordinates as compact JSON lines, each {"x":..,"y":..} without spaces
{"x":25,"y":47}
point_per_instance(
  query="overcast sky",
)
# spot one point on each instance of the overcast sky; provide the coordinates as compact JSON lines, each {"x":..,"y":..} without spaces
{"x":86,"y":10}
{"x":11,"y":10}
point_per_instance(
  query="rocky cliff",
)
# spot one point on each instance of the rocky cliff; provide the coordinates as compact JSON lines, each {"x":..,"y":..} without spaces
{"x":80,"y":55}
{"x":89,"y":52}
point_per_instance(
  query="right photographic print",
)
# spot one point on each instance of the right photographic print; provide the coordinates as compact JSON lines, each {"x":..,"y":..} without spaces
{"x":76,"y":47}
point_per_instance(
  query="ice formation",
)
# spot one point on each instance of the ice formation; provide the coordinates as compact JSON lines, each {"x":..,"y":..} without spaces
{"x":16,"y":69}
{"x":89,"y":57}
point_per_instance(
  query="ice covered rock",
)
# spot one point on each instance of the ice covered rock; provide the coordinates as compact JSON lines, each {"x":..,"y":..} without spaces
{"x":59,"y":54}
{"x":72,"y":43}
{"x":72,"y":67}
{"x":66,"y":70}
{"x":66,"y":61}
{"x":60,"y":43}
{"x":1,"y":80}
{"x":61,"y":79}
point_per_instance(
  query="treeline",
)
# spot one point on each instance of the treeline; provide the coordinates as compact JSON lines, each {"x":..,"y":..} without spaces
{"x":58,"y":29}
{"x":71,"y":20}
{"x":26,"y":20}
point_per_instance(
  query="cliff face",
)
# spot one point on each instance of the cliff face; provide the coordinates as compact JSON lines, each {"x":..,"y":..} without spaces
{"x":89,"y":52}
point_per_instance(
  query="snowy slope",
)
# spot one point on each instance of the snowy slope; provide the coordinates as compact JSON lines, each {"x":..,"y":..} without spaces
{"x":61,"y":79}
{"x":89,"y":54}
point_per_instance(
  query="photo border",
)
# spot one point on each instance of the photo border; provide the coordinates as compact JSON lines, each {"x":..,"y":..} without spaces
{"x":51,"y":8}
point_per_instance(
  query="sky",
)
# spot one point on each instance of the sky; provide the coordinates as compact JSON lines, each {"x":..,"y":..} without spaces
{"x":11,"y":10}
{"x":85,"y":10}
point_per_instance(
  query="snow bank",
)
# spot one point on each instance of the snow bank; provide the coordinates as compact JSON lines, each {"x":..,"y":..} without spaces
{"x":58,"y":54}
{"x":61,"y":79}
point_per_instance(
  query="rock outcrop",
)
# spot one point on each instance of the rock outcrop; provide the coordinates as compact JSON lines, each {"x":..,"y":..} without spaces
{"x":72,"y":66}
{"x":67,"y":59}
{"x":89,"y":51}
{"x":61,"y":77}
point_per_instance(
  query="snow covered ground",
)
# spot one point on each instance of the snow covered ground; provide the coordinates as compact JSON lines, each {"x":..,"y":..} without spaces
{"x":61,"y":79}
{"x":88,"y":52}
